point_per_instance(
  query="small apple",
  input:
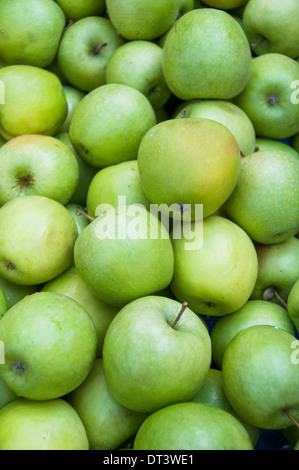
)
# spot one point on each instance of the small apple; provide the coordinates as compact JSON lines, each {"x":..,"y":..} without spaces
{"x":73,"y":98}
{"x":37,"y":165}
{"x":6,"y":395}
{"x":48,"y":425}
{"x":192,"y":426}
{"x":265,"y":201}
{"x":35,"y":92}
{"x":38,"y":241}
{"x":15,"y":292}
{"x":30,"y":31}
{"x":293,"y":304}
{"x":50,"y":345}
{"x":112,"y":182}
{"x":268,"y":144}
{"x":109,"y":124}
{"x":206,"y":54}
{"x":84,"y":51}
{"x":77,"y":9}
{"x":146,"y":341}
{"x":3,"y":303}
{"x":260,"y":377}
{"x":254,"y":312}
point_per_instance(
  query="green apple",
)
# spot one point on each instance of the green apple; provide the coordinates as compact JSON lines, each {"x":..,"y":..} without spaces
{"x":84,"y":51}
{"x":35,"y":92}
{"x":50,"y":345}
{"x":38,"y":241}
{"x":138,"y":20}
{"x":78,"y":214}
{"x":6,"y":395}
{"x":268,"y":144}
{"x":189,"y":161}
{"x":77,"y":9}
{"x":293,"y":304}
{"x":295,"y":142}
{"x":139,"y":64}
{"x":278,"y":269}
{"x":109,"y":124}
{"x":73,"y":98}
{"x":70,"y":283}
{"x":192,"y":426}
{"x":86,"y":173}
{"x":265,"y":201}
{"x":30,"y":31}
{"x":218,"y":277}
{"x":125,"y":253}
{"x":15,"y":292}
{"x":113,"y":182}
{"x":48,"y":425}
{"x":254,"y":312}
{"x":260,"y":376}
{"x":2,"y":141}
{"x":206,"y":55}
{"x":108,"y":424}
{"x":211,"y":392}
{"x":226,"y":113}
{"x":268,"y":96}
{"x":37,"y":165}
{"x":225,"y":4}
{"x":145,"y":343}
{"x":272,"y":26}
{"x":3,"y":303}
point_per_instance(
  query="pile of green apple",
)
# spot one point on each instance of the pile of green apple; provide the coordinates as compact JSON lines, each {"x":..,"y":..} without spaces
{"x":149,"y":343}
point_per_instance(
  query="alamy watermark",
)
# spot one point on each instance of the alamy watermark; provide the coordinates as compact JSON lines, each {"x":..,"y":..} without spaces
{"x":295,"y":353}
{"x":295,"y":94}
{"x":2,"y":353}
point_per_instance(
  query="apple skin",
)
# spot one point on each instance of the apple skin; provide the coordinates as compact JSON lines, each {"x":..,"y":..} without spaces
{"x":109,"y":124}
{"x":226,"y":113}
{"x":80,"y":57}
{"x":71,"y":284}
{"x":3,"y":303}
{"x":205,"y":427}
{"x":42,"y":335}
{"x":293,"y":304}
{"x":268,"y":144}
{"x":47,"y":425}
{"x":6,"y":395}
{"x":139,"y":64}
{"x":217,"y":278}
{"x":108,"y":424}
{"x":254,"y":312}
{"x":182,"y":161}
{"x":35,"y":92}
{"x":141,"y":349}
{"x":30,"y":32}
{"x":267,"y":97}
{"x":275,"y":22}
{"x":265,"y":201}
{"x":77,"y":9}
{"x":260,"y":380}
{"x":38,"y":242}
{"x":37,"y":165}
{"x":73,"y":98}
{"x":112,"y":182}
{"x":118,"y":270}
{"x":278,"y":268}
{"x":206,"y":55}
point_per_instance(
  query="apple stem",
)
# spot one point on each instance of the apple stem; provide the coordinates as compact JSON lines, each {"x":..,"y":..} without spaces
{"x":184,"y":113}
{"x":242,"y":154}
{"x":291,"y":418}
{"x":256,"y":44}
{"x":184,"y":306}
{"x":270,"y":292}
{"x":79,"y":212}
{"x":70,"y":23}
{"x":283,"y":303}
{"x":97,"y":50}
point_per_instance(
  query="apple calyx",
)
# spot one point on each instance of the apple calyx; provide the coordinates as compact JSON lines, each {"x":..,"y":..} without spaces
{"x":79,"y":212}
{"x":18,"y":367}
{"x":9,"y":266}
{"x":98,"y":49}
{"x":269,"y":294}
{"x":184,"y":306}
{"x":287,"y":412}
{"x":24,"y":182}
{"x":272,"y":100}
{"x":184,"y":113}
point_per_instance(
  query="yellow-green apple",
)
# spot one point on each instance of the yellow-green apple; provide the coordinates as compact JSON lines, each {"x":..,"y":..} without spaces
{"x":217,"y":277}
{"x":109,"y":124}
{"x":189,"y":162}
{"x":254,"y":312}
{"x":38,"y":241}
{"x":225,"y":112}
{"x":30,"y":31}
{"x":14,"y":292}
{"x":272,"y":26}
{"x":3,"y":303}
{"x":35,"y":92}
{"x":6,"y":395}
{"x":35,"y":425}
{"x":37,"y":165}
{"x":108,"y":424}
{"x":293,"y":304}
{"x":139,"y":64}
{"x":125,"y":253}
{"x":268,"y":144}
{"x":265,"y":201}
{"x":113,"y":182}
{"x":206,"y":54}
{"x":50,"y":346}
{"x":70,"y":283}
{"x":205,"y":427}
{"x":77,"y":9}
{"x":84,"y":51}
{"x":148,"y":338}
{"x":269,"y":99}
{"x":260,"y":376}
{"x":73,"y":98}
